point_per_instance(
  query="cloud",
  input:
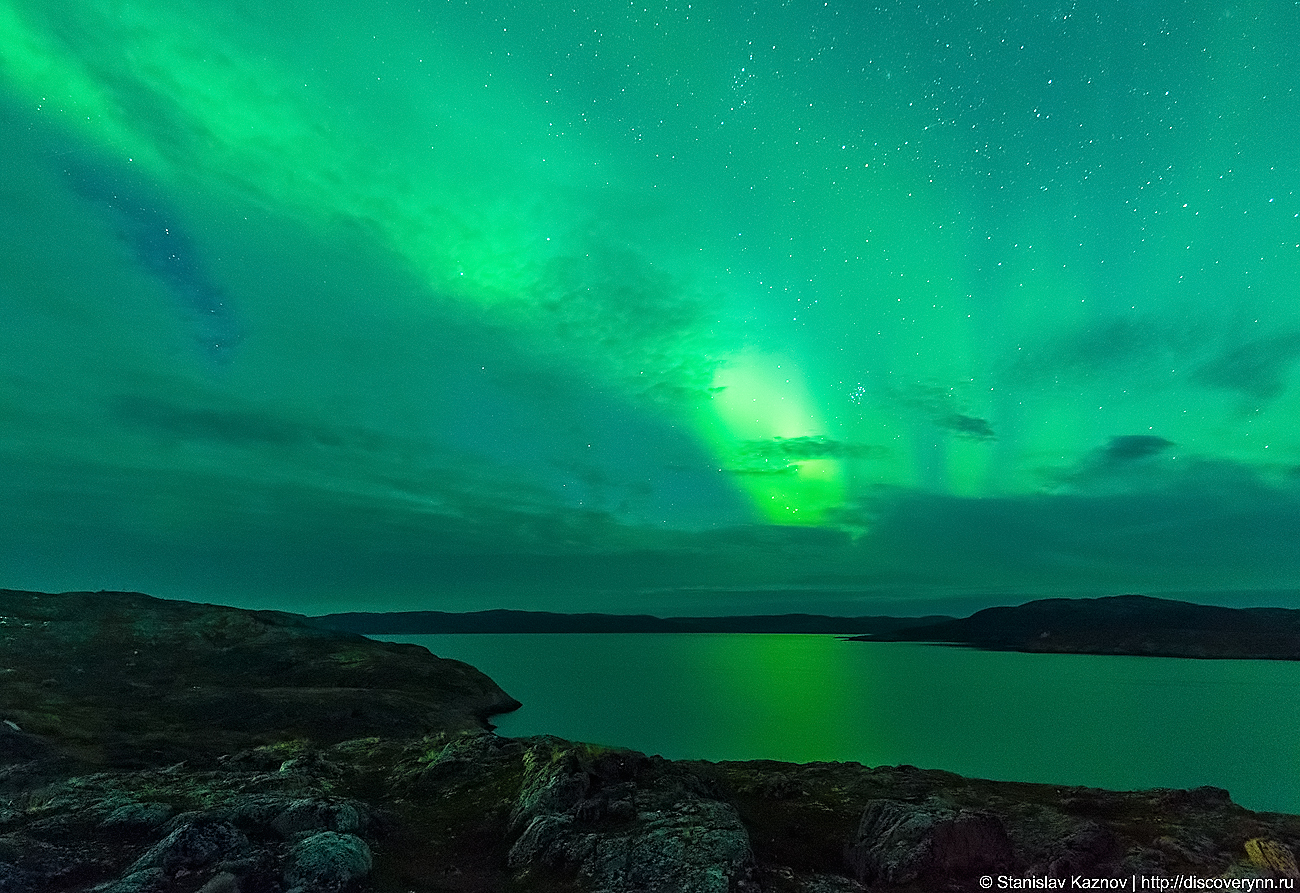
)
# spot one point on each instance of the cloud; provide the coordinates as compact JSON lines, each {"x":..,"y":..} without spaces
{"x":1129,"y":447}
{"x":1103,"y":345}
{"x":1223,"y":359}
{"x":240,"y":427}
{"x":1124,"y":463}
{"x":969,"y":426}
{"x":1257,"y":369}
{"x":944,"y":408}
{"x":782,"y":455}
{"x":1205,"y":526}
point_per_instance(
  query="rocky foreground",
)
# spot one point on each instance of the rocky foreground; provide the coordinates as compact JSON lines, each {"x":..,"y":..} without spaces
{"x":151,"y":746}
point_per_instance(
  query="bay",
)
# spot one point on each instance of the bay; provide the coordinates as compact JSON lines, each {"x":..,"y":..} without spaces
{"x":1123,"y":723}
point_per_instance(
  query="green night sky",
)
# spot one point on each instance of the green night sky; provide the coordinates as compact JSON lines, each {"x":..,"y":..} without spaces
{"x":685,"y":307}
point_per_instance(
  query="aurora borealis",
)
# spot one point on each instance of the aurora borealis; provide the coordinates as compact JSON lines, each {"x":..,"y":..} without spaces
{"x":686,"y":307}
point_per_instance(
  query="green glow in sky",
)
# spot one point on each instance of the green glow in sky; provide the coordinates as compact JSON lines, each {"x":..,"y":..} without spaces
{"x":477,"y":304}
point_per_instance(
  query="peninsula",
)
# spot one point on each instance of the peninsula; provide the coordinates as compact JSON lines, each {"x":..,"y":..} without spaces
{"x":1122,"y":624}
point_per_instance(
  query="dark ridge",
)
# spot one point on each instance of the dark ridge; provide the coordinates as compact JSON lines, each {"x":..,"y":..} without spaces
{"x":125,"y":678}
{"x":502,"y":621}
{"x":1121,"y":624}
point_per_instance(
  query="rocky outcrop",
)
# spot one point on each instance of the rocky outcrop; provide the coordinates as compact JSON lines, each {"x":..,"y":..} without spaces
{"x":121,"y":678}
{"x":478,"y":812}
{"x":169,"y":829}
{"x":902,"y":843}
{"x":326,"y":861}
{"x":620,"y":821}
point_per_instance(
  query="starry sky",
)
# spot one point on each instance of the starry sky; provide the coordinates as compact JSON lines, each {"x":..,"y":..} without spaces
{"x":686,"y":307}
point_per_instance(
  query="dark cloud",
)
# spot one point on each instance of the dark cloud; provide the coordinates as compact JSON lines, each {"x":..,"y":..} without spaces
{"x":1129,"y":447}
{"x":1210,"y":525}
{"x":299,"y":546}
{"x":240,"y":427}
{"x":1108,"y":345}
{"x":943,"y":406}
{"x":1256,"y":369}
{"x":969,"y":426}
{"x":781,"y":455}
{"x":1121,"y":465}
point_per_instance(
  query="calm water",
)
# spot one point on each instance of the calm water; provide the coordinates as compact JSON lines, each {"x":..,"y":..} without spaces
{"x":1114,"y":722}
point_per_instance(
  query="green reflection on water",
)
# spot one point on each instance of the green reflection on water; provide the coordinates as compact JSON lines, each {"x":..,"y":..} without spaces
{"x":1116,"y":722}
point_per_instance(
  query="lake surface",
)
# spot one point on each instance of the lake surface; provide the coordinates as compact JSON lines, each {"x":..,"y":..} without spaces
{"x":1116,"y":722}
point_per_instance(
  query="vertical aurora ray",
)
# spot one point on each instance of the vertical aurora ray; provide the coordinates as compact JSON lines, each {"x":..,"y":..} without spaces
{"x":760,"y":404}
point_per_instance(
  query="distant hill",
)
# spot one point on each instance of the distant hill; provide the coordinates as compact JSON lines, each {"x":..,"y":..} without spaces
{"x":125,"y":678}
{"x":501,"y":621}
{"x":1121,"y":624}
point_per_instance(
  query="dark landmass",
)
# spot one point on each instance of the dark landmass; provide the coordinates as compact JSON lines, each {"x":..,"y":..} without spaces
{"x":1121,"y":624}
{"x":116,"y":676}
{"x":163,"y":747}
{"x":501,"y":621}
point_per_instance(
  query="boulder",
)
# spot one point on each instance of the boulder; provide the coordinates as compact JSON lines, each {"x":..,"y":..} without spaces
{"x":326,"y":861}
{"x":137,"y":815}
{"x":194,"y":844}
{"x":148,"y":880}
{"x":310,"y":815}
{"x":930,"y":842}
{"x":621,"y":823}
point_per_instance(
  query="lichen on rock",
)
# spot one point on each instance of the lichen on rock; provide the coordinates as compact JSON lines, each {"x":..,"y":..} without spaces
{"x":326,"y":861}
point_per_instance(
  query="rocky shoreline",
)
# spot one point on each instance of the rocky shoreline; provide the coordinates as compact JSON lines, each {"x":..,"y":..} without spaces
{"x":404,"y":787}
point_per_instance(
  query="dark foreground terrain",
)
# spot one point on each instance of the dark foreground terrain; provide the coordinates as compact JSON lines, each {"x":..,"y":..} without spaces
{"x":148,"y":745}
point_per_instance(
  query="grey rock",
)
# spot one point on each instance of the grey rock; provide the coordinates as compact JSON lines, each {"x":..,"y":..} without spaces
{"x":1090,"y":850}
{"x":138,"y":815}
{"x":194,"y":845}
{"x":148,"y":880}
{"x":621,"y":827}
{"x":561,"y":779}
{"x":221,"y":882}
{"x":463,"y":758}
{"x":306,"y":815}
{"x":289,"y":817}
{"x":326,"y":861}
{"x":701,"y":848}
{"x":828,"y":883}
{"x":930,"y":842}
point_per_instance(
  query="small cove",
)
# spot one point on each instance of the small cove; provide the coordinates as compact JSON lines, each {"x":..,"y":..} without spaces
{"x":1114,"y":722}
